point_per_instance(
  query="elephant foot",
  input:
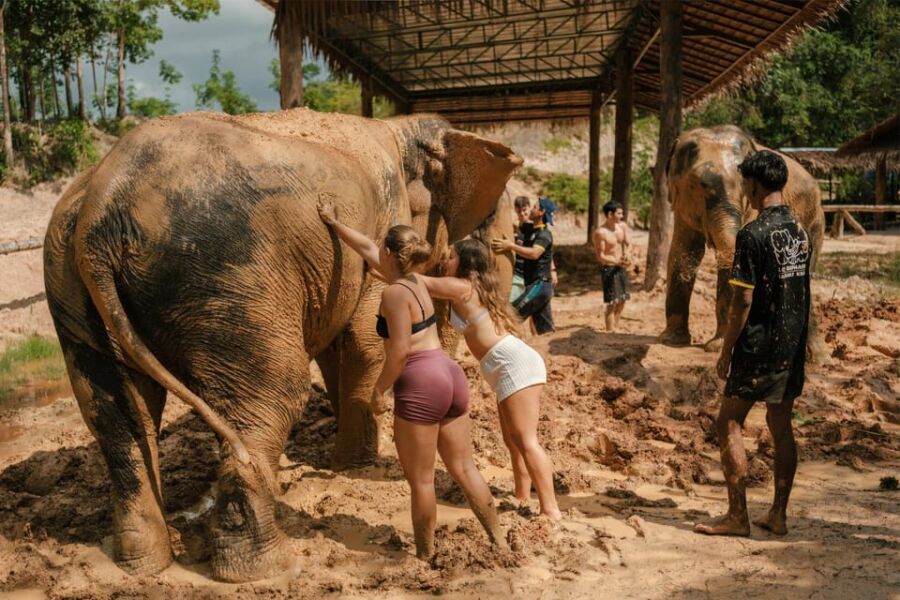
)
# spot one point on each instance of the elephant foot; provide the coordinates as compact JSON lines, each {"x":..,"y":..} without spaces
{"x":143,"y":551}
{"x":673,"y":337}
{"x":237,"y":560}
{"x":353,"y":458}
{"x":714,"y":345}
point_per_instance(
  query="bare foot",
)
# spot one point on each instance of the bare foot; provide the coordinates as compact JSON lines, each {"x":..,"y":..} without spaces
{"x":726,"y":525}
{"x":773,"y":522}
{"x":553,"y":515}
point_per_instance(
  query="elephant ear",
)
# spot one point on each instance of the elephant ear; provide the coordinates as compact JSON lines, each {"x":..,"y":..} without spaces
{"x":475,"y":172}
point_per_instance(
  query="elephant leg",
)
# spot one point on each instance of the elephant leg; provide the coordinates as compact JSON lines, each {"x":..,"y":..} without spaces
{"x":724,"y":221}
{"x":688,"y":248}
{"x":246,"y":542}
{"x":123,"y":409}
{"x":329,"y":362}
{"x":361,"y":359}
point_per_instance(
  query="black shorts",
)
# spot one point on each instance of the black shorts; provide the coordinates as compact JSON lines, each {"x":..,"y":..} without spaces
{"x":772,"y":387}
{"x":615,"y":284}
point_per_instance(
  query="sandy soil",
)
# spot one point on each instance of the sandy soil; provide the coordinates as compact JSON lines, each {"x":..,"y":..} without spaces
{"x":627,"y":421}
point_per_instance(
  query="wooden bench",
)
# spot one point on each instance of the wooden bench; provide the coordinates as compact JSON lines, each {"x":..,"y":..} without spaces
{"x":842,"y":215}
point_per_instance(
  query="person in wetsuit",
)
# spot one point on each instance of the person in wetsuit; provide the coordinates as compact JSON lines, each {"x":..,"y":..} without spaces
{"x":431,"y":392}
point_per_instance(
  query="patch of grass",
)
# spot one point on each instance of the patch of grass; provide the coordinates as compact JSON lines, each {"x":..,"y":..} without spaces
{"x":35,"y":358}
{"x":882,"y":268}
{"x":554,"y":144}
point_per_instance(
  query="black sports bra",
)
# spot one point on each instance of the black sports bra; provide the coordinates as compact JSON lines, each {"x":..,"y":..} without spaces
{"x":381,"y":325}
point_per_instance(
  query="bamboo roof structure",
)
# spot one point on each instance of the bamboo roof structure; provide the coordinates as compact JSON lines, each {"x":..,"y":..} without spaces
{"x":883,"y":140}
{"x":489,"y":61}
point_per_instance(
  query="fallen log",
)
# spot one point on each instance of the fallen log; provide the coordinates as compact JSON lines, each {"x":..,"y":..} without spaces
{"x":19,"y":245}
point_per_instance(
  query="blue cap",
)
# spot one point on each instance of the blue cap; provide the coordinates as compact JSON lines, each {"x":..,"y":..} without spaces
{"x":549,"y":207}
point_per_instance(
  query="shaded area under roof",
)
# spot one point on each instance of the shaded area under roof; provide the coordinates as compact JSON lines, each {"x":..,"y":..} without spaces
{"x":488,"y":61}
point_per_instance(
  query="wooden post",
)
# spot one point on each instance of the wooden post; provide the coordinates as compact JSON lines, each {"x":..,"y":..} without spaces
{"x":621,"y":183}
{"x":880,"y":189}
{"x":366,"y":96}
{"x":671,"y":15}
{"x":290,"y":57}
{"x":594,"y":164}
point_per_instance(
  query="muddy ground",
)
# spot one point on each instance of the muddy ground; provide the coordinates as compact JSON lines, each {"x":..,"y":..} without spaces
{"x":628,"y":424}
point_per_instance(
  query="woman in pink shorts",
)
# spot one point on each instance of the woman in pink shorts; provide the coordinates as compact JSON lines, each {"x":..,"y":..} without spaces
{"x":431,"y":393}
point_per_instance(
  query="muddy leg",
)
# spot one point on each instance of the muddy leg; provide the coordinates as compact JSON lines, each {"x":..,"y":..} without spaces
{"x":521,"y":478}
{"x":329,"y":363}
{"x":724,"y":292}
{"x":610,"y":316}
{"x":455,"y":448}
{"x":123,"y":409}
{"x":246,"y":541}
{"x":734,"y":465}
{"x":361,"y":357}
{"x":778,"y":418}
{"x":416,"y":445}
{"x":688,"y":247}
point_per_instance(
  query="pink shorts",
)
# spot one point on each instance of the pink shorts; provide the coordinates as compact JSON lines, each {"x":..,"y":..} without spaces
{"x":431,"y":387}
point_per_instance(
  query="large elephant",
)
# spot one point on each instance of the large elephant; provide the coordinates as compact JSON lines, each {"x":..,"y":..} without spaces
{"x":710,"y":206}
{"x":192,"y":260}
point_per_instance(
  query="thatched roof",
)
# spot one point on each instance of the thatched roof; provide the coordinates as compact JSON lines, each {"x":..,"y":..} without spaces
{"x":820,"y":160}
{"x":484,"y":61}
{"x":880,"y":141}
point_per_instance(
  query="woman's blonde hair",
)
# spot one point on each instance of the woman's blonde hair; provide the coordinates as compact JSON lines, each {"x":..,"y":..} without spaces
{"x":408,"y":247}
{"x":477,"y":265}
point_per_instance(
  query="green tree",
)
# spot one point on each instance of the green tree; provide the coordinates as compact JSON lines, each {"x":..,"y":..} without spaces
{"x":155,"y":107}
{"x":221,"y":87}
{"x":831,"y":85}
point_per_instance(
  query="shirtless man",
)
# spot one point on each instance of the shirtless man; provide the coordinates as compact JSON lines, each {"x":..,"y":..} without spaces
{"x":611,"y":245}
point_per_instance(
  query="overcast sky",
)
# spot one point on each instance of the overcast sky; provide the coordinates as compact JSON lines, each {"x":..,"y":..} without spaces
{"x":240,"y":32}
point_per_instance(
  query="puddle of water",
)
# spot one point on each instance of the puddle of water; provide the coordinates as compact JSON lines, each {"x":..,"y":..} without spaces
{"x":31,"y":395}
{"x":37,"y":393}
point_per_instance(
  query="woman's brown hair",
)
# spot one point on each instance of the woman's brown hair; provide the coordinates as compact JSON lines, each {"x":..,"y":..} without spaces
{"x":477,"y":265}
{"x":407,"y":245}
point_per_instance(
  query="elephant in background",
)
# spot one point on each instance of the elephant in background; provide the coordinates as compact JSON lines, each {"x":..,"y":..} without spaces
{"x":710,"y":206}
{"x":192,"y":260}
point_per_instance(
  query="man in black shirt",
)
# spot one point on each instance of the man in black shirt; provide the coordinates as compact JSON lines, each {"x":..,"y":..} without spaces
{"x":537,"y":269}
{"x":765,"y":341}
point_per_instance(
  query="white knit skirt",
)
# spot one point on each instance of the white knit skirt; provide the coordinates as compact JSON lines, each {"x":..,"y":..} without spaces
{"x":512,"y":365}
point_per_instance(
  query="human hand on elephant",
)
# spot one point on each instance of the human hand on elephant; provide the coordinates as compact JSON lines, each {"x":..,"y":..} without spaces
{"x":326,"y":211}
{"x":501,"y":244}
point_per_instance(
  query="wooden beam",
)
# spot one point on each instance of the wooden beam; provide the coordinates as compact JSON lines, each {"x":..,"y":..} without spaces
{"x":290,"y":56}
{"x":880,"y":189}
{"x":671,"y":22}
{"x":868,"y":208}
{"x":594,"y":163}
{"x":837,"y":226}
{"x":367,"y":95}
{"x":853,"y":223}
{"x":621,"y":183}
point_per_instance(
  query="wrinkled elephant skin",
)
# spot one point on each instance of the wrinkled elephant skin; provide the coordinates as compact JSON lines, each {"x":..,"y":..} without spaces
{"x":710,"y":206}
{"x":191,"y":259}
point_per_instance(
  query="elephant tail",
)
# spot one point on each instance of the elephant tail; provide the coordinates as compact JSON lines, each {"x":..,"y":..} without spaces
{"x":99,"y":280}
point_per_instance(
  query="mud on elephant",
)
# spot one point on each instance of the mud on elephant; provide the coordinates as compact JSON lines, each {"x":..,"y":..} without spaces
{"x":710,"y":206}
{"x":191,"y":260}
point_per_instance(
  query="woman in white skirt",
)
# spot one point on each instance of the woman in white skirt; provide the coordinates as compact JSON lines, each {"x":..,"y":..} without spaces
{"x":514,"y":370}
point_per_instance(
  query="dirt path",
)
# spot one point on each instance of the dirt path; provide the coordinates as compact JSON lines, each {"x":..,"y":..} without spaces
{"x":628,"y":424}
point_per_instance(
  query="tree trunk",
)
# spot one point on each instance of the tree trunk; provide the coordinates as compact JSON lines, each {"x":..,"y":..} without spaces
{"x":94,"y":70}
{"x":67,"y":74}
{"x":104,"y":113}
{"x":28,"y":85}
{"x":621,"y":183}
{"x":671,"y":17}
{"x":79,"y":74}
{"x":880,"y":189}
{"x":56,"y":103}
{"x":367,"y":96}
{"x":121,"y":109}
{"x":290,"y":55}
{"x":42,"y":83}
{"x":594,"y":163}
{"x":4,"y":86}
